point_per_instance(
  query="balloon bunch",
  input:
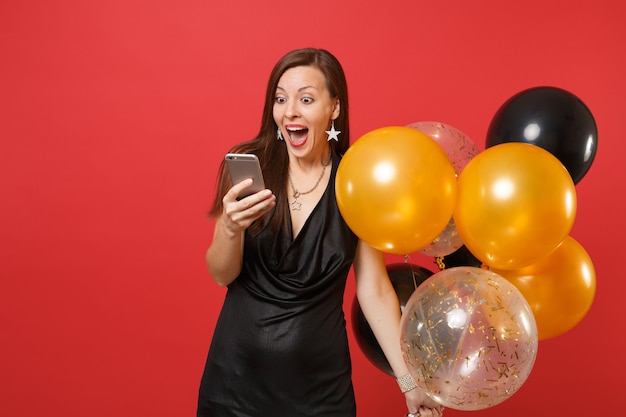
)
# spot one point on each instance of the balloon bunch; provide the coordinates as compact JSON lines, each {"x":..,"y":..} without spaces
{"x":497,"y":221}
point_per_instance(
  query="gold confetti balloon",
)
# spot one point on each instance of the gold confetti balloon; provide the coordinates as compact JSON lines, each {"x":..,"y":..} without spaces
{"x":469,"y":338}
{"x":460,"y":150}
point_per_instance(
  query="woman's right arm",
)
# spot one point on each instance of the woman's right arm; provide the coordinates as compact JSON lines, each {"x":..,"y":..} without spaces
{"x":225,"y":254}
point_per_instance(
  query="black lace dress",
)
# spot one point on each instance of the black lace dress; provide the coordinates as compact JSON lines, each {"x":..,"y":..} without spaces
{"x":280,"y":346}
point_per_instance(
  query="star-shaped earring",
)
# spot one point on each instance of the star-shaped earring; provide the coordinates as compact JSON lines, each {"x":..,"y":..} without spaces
{"x":332,"y":133}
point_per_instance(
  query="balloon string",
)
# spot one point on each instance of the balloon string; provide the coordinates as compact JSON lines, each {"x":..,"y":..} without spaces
{"x":406,"y":261}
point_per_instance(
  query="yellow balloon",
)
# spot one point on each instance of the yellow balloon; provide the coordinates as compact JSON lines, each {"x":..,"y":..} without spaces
{"x":516,"y":203}
{"x":559,"y":288}
{"x":396,"y":188}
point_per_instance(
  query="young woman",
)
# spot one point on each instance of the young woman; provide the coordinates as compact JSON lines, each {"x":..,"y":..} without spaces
{"x":280,"y":347}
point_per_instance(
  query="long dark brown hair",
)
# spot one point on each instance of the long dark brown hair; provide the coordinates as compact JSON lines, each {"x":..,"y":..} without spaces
{"x":271,"y":152}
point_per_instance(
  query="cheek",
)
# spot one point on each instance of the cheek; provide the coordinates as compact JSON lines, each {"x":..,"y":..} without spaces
{"x":277,"y":115}
{"x":322,"y":119}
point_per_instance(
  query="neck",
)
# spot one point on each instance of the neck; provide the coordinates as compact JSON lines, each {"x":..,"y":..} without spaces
{"x":296,"y":204}
{"x":310,"y":162}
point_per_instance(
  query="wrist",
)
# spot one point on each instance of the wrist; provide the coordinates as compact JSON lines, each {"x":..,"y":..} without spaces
{"x":406,"y":383}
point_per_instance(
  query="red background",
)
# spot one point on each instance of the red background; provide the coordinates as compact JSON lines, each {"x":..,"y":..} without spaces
{"x":115,"y":114}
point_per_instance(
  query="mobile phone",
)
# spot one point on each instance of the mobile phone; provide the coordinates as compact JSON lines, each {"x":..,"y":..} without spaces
{"x":242,"y":166}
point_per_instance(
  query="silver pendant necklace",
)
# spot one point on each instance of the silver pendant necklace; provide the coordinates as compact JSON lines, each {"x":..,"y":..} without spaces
{"x":295,"y":204}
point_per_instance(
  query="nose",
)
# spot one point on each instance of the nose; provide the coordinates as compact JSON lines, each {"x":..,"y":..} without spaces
{"x":292,"y":109}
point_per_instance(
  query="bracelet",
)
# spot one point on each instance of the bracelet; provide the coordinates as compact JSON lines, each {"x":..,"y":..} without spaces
{"x":406,"y":383}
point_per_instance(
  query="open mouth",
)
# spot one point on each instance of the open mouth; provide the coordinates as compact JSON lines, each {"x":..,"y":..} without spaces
{"x":298,"y":135}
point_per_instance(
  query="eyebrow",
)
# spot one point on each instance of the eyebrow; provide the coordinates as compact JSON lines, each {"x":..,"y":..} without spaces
{"x":278,"y":87}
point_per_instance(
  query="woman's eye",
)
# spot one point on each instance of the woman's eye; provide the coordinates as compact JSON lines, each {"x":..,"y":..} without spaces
{"x":307,"y":100}
{"x":280,"y":100}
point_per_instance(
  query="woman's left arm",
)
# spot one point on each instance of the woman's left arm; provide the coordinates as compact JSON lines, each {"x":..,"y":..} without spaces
{"x":381,"y":308}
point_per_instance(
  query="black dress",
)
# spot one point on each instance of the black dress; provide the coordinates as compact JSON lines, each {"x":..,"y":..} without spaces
{"x":280,"y":346}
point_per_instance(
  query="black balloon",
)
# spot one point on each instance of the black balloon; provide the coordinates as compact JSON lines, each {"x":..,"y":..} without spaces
{"x":553,"y":119}
{"x":460,"y":257}
{"x":405,"y":278}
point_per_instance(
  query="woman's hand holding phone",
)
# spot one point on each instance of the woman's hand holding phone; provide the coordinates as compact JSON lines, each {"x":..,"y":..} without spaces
{"x":248,"y":199}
